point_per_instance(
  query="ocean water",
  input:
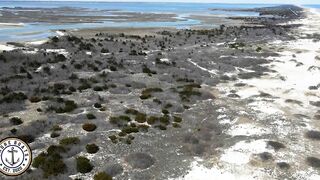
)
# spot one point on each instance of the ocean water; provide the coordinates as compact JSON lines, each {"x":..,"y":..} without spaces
{"x":35,"y":31}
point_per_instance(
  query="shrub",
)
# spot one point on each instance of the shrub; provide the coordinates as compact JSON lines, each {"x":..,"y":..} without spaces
{"x":147,"y":92}
{"x":97,"y":105}
{"x":83,"y":164}
{"x":16,"y":121}
{"x":102,"y":176}
{"x":129,"y":130}
{"x":98,"y":88}
{"x":89,"y":127}
{"x":283,"y":165}
{"x":92,"y":148}
{"x":146,"y":70}
{"x":177,"y":119}
{"x":103,"y":50}
{"x":167,"y":106}
{"x":13,"y":97}
{"x":69,"y":106}
{"x":165,"y":111}
{"x":120,"y":120}
{"x":56,"y":128}
{"x":51,"y":164}
{"x":161,"y":127}
{"x":56,"y":149}
{"x":54,"y":135}
{"x":91,"y":116}
{"x":141,"y":117}
{"x":313,"y":162}
{"x":176,"y":125}
{"x":69,"y":141}
{"x":34,"y":99}
{"x":315,"y":135}
{"x":152,"y":119}
{"x":276,"y":145}
{"x":259,"y":49}
{"x":26,"y":138}
{"x":132,"y":111}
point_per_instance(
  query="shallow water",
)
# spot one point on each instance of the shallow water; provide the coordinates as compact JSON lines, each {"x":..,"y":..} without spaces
{"x":35,"y":31}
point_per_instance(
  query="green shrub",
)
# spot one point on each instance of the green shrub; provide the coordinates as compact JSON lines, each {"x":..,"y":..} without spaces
{"x":147,"y":93}
{"x":54,"y":135}
{"x":131,"y":111}
{"x":120,"y":120}
{"x":69,"y":141}
{"x":91,"y":116}
{"x":92,"y":148}
{"x":97,"y":105}
{"x":165,"y":119}
{"x":56,"y":128}
{"x":102,"y":176}
{"x":167,"y":106}
{"x":56,"y":149}
{"x":141,"y":117}
{"x":161,"y":127}
{"x":165,"y":111}
{"x":313,"y":162}
{"x":98,"y":88}
{"x":51,"y":164}
{"x":129,"y":130}
{"x":89,"y":127}
{"x":176,"y":125}
{"x":83,"y":164}
{"x":26,"y":138}
{"x":259,"y":49}
{"x":69,"y":106}
{"x":177,"y":119}
{"x":34,"y":99}
{"x":16,"y":121}
{"x":152,"y":119}
{"x":14,"y":96}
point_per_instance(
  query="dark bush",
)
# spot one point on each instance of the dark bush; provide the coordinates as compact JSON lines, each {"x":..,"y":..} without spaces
{"x":177,"y":119}
{"x":315,"y":135}
{"x":69,"y":141}
{"x":147,"y":93}
{"x":26,"y":138}
{"x":132,"y":111}
{"x":283,"y":165}
{"x":56,"y":128}
{"x":97,"y":105}
{"x":91,"y":116}
{"x":92,"y":148}
{"x":276,"y":145}
{"x":14,"y":96}
{"x":129,"y":130}
{"x":54,"y":135}
{"x":313,"y":162}
{"x":83,"y":164}
{"x":152,"y":119}
{"x":89,"y":127}
{"x":141,"y":117}
{"x":34,"y":99}
{"x":102,"y":176}
{"x":51,"y":164}
{"x":16,"y":121}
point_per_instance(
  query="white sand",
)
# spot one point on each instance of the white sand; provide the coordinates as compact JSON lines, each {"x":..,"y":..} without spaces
{"x":234,"y":162}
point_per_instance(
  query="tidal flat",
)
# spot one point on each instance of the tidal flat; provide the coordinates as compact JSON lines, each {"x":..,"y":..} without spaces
{"x":162,"y":103}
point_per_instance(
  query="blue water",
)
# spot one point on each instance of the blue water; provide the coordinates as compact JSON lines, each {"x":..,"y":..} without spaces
{"x":34,"y":31}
